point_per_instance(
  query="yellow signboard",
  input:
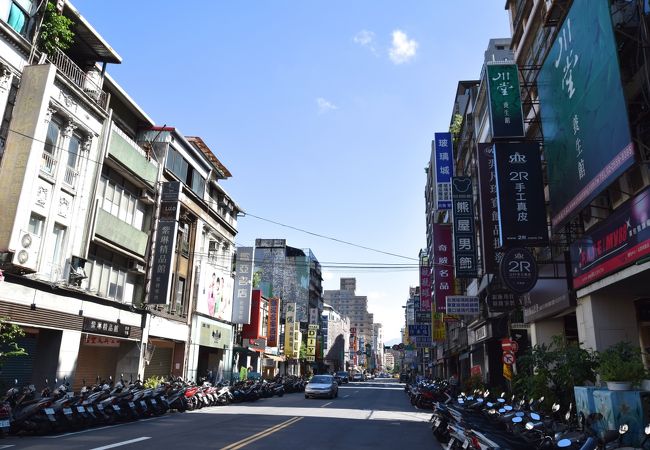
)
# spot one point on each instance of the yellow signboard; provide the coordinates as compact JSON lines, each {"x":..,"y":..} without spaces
{"x":507,"y":372}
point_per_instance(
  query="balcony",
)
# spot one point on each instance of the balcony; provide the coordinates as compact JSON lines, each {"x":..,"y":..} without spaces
{"x":70,"y":177}
{"x":48,"y":164}
{"x":80,"y":78}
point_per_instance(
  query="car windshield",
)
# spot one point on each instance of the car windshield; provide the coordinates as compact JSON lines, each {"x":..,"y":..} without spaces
{"x":321,"y":379}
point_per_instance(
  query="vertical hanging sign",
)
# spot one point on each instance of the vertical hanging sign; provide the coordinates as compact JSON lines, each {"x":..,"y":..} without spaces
{"x":443,"y":279}
{"x":241,"y":308}
{"x":490,"y":231}
{"x":274,"y":322}
{"x":425,"y":283}
{"x":465,"y":254}
{"x":443,"y":157}
{"x":506,"y":116}
{"x":165,"y":243}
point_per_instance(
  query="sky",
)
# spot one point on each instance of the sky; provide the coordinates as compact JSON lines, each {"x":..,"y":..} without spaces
{"x":323,"y":111}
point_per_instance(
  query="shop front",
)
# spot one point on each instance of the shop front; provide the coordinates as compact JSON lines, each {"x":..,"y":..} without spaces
{"x":211,"y":350}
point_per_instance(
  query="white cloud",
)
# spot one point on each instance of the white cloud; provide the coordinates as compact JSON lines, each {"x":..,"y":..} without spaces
{"x":325,"y":105}
{"x":403,"y":48}
{"x":366,"y":39}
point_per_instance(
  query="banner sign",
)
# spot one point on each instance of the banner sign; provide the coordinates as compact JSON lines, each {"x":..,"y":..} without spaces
{"x":617,"y":242}
{"x":425,"y":284}
{"x":506,"y":117}
{"x":443,"y":279}
{"x":310,"y":353}
{"x":499,"y":297}
{"x":519,"y":270}
{"x":423,"y":317}
{"x":465,"y":253}
{"x":419,"y":330}
{"x":273,"y":332}
{"x":463,"y":305}
{"x":443,"y":155}
{"x":520,"y":194}
{"x":165,"y":244}
{"x":490,"y":230}
{"x":587,"y":142}
{"x":423,"y":342}
{"x":105,"y":327}
{"x":241,"y":308}
{"x":290,"y":330}
{"x":438,"y":327}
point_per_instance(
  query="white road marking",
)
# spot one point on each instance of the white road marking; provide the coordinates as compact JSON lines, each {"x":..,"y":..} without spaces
{"x":6,"y":446}
{"x":119,"y":444}
{"x":90,"y":430}
{"x":328,"y":403}
{"x":346,"y":396}
{"x":374,"y":387}
{"x":333,"y":413}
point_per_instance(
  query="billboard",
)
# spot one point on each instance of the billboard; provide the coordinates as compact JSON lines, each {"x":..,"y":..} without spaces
{"x":465,"y":254}
{"x":463,"y":305}
{"x":166,"y":235}
{"x":520,"y":194}
{"x":241,"y":308}
{"x":490,"y":229}
{"x":587,"y":142}
{"x":215,"y":292}
{"x":425,"y":284}
{"x":444,"y":167}
{"x":617,"y":242}
{"x":443,"y":279}
{"x":273,"y":333}
{"x":506,"y":117}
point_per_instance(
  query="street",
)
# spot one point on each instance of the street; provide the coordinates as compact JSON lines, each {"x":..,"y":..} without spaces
{"x":373,"y":414}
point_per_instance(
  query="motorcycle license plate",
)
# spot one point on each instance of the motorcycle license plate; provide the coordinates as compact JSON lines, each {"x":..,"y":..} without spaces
{"x":163,"y":398}
{"x":153,"y":401}
{"x":90,"y":409}
{"x":436,"y":423}
{"x":81,"y":409}
{"x":100,"y":407}
{"x":466,"y":444}
{"x":4,"y":424}
{"x":132,"y":405}
{"x":67,"y":411}
{"x":49,"y":411}
{"x":116,"y":408}
{"x":143,"y":403}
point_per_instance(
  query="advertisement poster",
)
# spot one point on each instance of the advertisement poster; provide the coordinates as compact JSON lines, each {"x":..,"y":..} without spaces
{"x":215,"y":292}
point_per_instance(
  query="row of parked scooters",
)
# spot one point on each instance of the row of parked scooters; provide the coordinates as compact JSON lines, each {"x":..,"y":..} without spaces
{"x":481,"y":421}
{"x":25,"y":411}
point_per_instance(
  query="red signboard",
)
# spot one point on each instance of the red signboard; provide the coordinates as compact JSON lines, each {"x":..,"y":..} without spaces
{"x":443,"y":269}
{"x":476,"y":370}
{"x":425,"y":284}
{"x":274,"y":322}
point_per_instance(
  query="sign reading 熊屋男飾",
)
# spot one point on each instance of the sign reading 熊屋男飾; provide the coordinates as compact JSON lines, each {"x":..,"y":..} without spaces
{"x":465,"y":253}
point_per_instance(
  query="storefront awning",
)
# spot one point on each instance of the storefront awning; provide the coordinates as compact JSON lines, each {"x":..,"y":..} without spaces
{"x":274,"y":357}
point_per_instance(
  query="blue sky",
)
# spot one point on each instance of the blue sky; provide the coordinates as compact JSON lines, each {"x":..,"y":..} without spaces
{"x":323,"y":111}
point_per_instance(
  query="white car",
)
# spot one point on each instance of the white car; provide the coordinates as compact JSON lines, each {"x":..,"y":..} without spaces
{"x":358,"y":377}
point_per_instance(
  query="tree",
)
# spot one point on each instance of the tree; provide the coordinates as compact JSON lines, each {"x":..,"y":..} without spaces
{"x":9,"y":334}
{"x":456,"y":126}
{"x":257,"y":279}
{"x":55,"y":32}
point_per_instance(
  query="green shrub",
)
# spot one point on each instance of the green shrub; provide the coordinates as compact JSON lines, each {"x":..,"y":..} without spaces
{"x":621,"y":362}
{"x":153,"y":382}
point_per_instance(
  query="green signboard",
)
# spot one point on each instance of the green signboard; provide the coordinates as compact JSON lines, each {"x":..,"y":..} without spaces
{"x":587,"y":143}
{"x":504,"y":98}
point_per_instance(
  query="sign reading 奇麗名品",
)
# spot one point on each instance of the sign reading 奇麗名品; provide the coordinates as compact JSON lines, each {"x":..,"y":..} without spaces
{"x":506,"y":117}
{"x":443,"y":271}
{"x":587,"y":141}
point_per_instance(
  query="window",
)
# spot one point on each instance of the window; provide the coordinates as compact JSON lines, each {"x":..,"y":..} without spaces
{"x":58,"y":235}
{"x":120,"y":201}
{"x":74,"y":144}
{"x":108,"y":276}
{"x":178,"y":297}
{"x":16,"y":13}
{"x":52,"y":137}
{"x":36,"y":224}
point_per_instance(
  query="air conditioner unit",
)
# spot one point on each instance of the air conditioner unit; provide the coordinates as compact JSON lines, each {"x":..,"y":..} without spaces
{"x":146,"y":197}
{"x":27,"y":250}
{"x":136,"y":266}
{"x":77,"y":270}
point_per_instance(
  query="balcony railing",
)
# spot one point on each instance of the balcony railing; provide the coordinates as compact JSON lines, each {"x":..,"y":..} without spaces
{"x":70,"y":177}
{"x":80,"y":78}
{"x":48,"y":164}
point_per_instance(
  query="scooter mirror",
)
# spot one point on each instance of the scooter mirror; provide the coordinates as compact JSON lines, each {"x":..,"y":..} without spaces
{"x":541,"y":399}
{"x":517,"y":419}
{"x":503,"y":394}
{"x":463,"y":394}
{"x":15,"y":380}
{"x":492,"y":411}
{"x":529,"y":426}
{"x":530,"y":402}
{"x":563,"y":443}
{"x":486,"y":393}
{"x":567,"y":416}
{"x":535,"y":416}
{"x":647,"y":429}
{"x":555,"y":407}
{"x":623,"y":429}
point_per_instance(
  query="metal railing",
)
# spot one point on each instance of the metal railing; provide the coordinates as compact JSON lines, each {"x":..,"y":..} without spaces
{"x":70,"y":177}
{"x":48,"y":164}
{"x":78,"y":77}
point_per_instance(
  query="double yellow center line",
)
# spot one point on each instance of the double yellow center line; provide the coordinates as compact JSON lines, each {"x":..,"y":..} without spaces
{"x":262,"y":434}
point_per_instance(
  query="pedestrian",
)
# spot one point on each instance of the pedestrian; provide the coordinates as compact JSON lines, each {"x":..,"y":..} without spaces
{"x":453,"y":385}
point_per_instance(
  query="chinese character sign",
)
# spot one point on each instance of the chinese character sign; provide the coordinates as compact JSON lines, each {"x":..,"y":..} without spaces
{"x":443,"y":268}
{"x":425,"y":284}
{"x":443,"y":156}
{"x":290,"y":329}
{"x":465,"y":253}
{"x":241,"y":307}
{"x":505,"y":100}
{"x":520,"y":194}
{"x":490,"y":231}
{"x":587,"y":141}
{"x":274,"y":322}
{"x":215,"y":293}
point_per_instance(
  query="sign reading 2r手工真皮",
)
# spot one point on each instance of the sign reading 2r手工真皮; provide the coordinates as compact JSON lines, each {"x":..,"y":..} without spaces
{"x":587,"y":142}
{"x":520,"y":194}
{"x":619,"y":241}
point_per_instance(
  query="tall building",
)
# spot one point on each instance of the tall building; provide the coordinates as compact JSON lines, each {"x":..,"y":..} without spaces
{"x":336,"y":338}
{"x":354,"y":306}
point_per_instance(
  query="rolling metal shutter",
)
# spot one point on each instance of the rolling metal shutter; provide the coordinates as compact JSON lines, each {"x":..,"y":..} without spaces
{"x":95,"y":361}
{"x":20,"y":367}
{"x":161,"y":363}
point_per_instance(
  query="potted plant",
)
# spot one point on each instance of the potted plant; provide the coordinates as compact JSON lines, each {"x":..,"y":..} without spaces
{"x":621,"y":366}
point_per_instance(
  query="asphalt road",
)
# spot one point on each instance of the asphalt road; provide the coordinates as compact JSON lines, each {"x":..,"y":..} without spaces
{"x":368,"y":415}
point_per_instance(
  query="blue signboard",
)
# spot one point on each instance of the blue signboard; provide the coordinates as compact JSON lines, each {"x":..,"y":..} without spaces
{"x":443,"y":156}
{"x":420,"y":330}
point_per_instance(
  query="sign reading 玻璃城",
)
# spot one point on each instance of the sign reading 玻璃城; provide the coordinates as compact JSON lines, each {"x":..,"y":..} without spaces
{"x":506,"y":117}
{"x":443,"y":158}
